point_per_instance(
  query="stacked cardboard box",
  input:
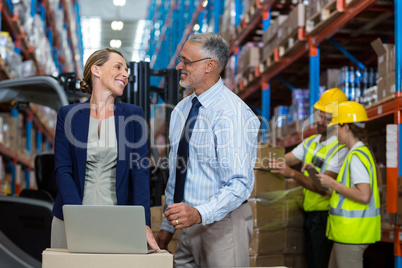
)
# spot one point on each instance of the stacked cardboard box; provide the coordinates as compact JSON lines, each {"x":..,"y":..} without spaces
{"x":278,"y":228}
{"x":386,"y":68}
{"x":272,"y":35}
{"x":330,"y":78}
{"x":289,"y":28}
{"x":249,"y":58}
{"x":278,"y":237}
{"x":313,"y":7}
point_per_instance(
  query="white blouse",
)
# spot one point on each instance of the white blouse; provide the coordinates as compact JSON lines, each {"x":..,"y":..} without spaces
{"x":100,"y":172}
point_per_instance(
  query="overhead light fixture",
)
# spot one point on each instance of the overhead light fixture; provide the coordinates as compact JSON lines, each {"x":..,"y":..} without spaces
{"x":91,"y":35}
{"x":119,"y":3}
{"x":196,"y":28}
{"x":117,"y":25}
{"x":205,"y":3}
{"x":115,"y":43}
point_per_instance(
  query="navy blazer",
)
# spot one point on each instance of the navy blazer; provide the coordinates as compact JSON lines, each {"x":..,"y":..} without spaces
{"x":132,"y":177}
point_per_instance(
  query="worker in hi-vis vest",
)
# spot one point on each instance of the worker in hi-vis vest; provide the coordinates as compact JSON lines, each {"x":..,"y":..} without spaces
{"x":325,"y":153}
{"x":354,"y":219}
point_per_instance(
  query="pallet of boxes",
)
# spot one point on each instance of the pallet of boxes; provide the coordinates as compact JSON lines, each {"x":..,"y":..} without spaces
{"x":276,"y":203}
{"x":386,"y":70}
{"x":156,"y":222}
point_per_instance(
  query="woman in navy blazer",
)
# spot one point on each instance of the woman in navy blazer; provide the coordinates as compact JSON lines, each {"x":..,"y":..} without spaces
{"x":105,"y":76}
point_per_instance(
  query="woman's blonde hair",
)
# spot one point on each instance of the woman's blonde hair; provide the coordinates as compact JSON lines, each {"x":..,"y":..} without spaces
{"x":98,"y":58}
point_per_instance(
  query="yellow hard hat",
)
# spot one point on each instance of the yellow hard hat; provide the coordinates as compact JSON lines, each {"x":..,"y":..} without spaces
{"x":349,"y":112}
{"x":330,"y":99}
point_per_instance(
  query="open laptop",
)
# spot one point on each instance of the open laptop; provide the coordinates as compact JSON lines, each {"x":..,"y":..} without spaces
{"x":105,"y":229}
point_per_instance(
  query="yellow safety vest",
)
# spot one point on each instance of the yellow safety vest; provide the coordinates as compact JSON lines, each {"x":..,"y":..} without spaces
{"x":312,"y":200}
{"x":351,"y":222}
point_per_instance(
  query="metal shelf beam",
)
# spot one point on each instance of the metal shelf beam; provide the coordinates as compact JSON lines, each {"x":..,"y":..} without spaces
{"x":328,"y":31}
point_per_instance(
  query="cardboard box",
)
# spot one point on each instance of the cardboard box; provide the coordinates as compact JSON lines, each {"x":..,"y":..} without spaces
{"x":391,"y":60}
{"x":287,"y":240}
{"x":156,"y":218}
{"x":388,"y":219}
{"x":175,"y":235}
{"x":270,"y":33}
{"x":277,"y":214}
{"x":381,"y":176}
{"x":330,"y":78}
{"x":390,"y":84}
{"x":297,"y":17}
{"x":288,"y":260}
{"x":61,"y":258}
{"x":267,"y":182}
{"x":266,"y":151}
{"x":282,"y":30}
{"x":172,"y":245}
{"x":272,"y":30}
{"x":269,"y":48}
{"x":383,"y":52}
{"x":291,"y":184}
{"x":381,"y":88}
{"x":249,"y":58}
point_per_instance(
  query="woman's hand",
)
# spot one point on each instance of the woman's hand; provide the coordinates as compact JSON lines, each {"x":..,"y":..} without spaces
{"x":151,"y":240}
{"x":325,"y":180}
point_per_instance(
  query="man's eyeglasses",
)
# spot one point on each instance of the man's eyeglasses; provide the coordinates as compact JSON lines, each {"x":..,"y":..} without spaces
{"x":185,"y":63}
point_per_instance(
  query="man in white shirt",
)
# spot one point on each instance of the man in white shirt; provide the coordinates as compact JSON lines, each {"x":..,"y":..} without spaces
{"x":213,"y":138}
{"x":325,"y":153}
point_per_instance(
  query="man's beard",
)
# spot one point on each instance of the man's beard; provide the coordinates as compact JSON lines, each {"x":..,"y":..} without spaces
{"x":322,"y":129}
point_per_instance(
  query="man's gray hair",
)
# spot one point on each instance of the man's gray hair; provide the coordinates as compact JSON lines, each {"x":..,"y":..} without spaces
{"x":214,"y":46}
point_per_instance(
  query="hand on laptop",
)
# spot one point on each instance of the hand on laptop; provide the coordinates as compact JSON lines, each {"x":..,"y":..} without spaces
{"x":151,"y":240}
{"x":181,"y":215}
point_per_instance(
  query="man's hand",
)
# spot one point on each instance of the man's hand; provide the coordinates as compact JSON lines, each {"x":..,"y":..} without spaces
{"x":281,"y":168}
{"x":151,"y":240}
{"x":306,"y":166}
{"x":181,"y":215}
{"x":163,"y":239}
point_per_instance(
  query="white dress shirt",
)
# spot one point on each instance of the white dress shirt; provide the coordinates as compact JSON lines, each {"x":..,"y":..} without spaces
{"x":222,"y":153}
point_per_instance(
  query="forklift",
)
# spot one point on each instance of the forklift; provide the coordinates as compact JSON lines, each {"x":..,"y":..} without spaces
{"x":25,"y":222}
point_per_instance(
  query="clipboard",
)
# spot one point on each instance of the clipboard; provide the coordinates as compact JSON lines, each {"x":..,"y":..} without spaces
{"x":312,"y":173}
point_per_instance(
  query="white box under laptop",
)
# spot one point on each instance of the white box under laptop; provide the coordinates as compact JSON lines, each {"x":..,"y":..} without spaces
{"x":94,"y":232}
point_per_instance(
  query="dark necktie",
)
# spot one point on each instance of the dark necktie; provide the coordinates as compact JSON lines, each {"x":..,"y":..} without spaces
{"x":183,"y":151}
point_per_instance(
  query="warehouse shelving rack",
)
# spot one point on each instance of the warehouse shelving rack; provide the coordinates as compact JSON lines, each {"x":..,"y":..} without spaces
{"x":11,"y":23}
{"x":387,"y":108}
{"x":177,"y":19}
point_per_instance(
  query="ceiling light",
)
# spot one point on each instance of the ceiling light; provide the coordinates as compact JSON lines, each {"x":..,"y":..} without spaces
{"x":91,"y":32}
{"x":117,"y":25}
{"x":115,"y":43}
{"x":196,"y":27}
{"x":119,"y":3}
{"x":205,"y":3}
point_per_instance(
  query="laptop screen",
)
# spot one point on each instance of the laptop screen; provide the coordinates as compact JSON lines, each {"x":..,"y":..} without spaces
{"x":105,"y":229}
